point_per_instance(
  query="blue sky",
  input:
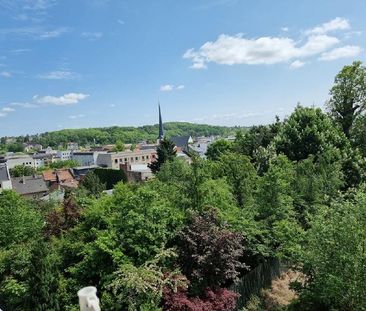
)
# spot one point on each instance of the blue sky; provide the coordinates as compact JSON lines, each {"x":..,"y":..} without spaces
{"x":91,"y":63}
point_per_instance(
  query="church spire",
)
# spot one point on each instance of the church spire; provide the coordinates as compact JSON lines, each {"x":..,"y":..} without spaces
{"x":161,"y":128}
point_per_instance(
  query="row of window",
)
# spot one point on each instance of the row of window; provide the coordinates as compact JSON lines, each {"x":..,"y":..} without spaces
{"x":147,"y":157}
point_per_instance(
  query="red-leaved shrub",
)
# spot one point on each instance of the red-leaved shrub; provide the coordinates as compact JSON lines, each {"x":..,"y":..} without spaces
{"x":219,"y":300}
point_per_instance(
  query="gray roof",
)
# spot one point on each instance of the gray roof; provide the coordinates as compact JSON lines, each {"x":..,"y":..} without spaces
{"x":29,"y":185}
{"x":180,"y":141}
{"x":4,"y":176}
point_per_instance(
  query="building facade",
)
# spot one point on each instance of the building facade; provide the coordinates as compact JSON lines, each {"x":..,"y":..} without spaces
{"x":114,"y":159}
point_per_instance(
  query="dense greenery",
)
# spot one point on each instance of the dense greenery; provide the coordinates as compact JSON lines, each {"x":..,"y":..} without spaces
{"x":115,"y":134}
{"x":293,"y":190}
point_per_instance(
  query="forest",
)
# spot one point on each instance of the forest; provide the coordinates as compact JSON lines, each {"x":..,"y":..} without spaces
{"x":110,"y":135}
{"x":293,"y":191}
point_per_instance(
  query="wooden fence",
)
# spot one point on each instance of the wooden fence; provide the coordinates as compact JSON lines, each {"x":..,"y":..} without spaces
{"x":260,"y":277}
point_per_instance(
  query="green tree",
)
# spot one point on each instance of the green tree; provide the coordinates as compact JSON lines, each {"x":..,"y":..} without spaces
{"x":308,"y":131}
{"x":334,"y":257}
{"x":217,"y":148}
{"x":348,"y":95}
{"x":92,"y":184}
{"x":240,"y":175}
{"x":120,"y":146}
{"x":22,"y":170}
{"x":165,"y":152}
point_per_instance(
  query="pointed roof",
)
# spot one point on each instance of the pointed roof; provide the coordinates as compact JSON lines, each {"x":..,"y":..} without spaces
{"x":161,"y":128}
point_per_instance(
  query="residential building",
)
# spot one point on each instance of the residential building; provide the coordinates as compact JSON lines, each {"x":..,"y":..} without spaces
{"x":182,"y":142}
{"x":19,"y":159}
{"x":60,"y":178}
{"x":64,"y":155}
{"x":136,"y":172}
{"x":72,"y":146}
{"x":85,"y":158}
{"x":81,"y":171}
{"x":5,"y":181}
{"x":114,"y":159}
{"x":42,"y":159}
{"x":30,"y":186}
{"x":32,"y":147}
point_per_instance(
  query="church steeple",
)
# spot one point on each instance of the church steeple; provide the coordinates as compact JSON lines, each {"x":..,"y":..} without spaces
{"x":161,"y":128}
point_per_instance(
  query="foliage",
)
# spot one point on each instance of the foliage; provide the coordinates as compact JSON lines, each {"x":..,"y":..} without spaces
{"x":120,"y":146}
{"x":165,"y":152}
{"x":308,"y":131}
{"x":241,"y":176}
{"x":348,"y":95}
{"x":141,"y":288}
{"x":334,"y":256}
{"x":110,"y":177}
{"x":92,"y":184}
{"x":213,"y":300}
{"x":64,"y":164}
{"x":110,"y":135}
{"x":209,"y":255}
{"x":217,"y":148}
{"x":22,"y":170}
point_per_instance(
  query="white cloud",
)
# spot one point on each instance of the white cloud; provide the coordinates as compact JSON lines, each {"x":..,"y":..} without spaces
{"x":297,"y":64}
{"x":24,"y":105}
{"x":337,"y":23}
{"x":92,"y":36}
{"x":20,"y":51}
{"x":5,"y":74}
{"x":77,"y":116}
{"x":232,"y":50}
{"x":2,"y":114}
{"x":59,"y":75}
{"x":171,"y":87}
{"x":284,"y":29}
{"x":342,"y":52}
{"x":67,"y":99}
{"x":121,"y":22}
{"x":167,"y":88}
{"x":36,"y":32}
{"x":7,"y":109}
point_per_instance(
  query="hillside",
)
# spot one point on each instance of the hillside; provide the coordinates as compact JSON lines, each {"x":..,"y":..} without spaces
{"x":109,"y":135}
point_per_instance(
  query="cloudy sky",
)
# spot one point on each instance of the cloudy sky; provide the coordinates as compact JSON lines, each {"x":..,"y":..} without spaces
{"x":87,"y":63}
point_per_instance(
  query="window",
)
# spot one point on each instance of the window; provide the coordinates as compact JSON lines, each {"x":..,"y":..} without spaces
{"x":143,"y":158}
{"x":147,"y":157}
{"x":125,"y":159}
{"x":136,"y":158}
{"x":120,"y":160}
{"x":116,"y":161}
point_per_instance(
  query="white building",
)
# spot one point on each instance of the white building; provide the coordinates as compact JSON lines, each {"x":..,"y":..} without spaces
{"x":19,"y":159}
{"x":85,"y":158}
{"x":64,"y":155}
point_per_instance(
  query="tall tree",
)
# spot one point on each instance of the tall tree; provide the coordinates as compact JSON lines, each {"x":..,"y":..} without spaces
{"x":348,"y":95}
{"x":166,"y":152}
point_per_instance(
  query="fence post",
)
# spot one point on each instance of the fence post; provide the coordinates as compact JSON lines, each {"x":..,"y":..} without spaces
{"x":88,"y":299}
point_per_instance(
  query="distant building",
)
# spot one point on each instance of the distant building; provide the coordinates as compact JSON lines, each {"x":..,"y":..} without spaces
{"x":136,"y":172}
{"x":5,"y":182}
{"x":64,"y":155}
{"x":42,"y":160}
{"x":30,"y":186}
{"x":19,"y":159}
{"x":182,"y":142}
{"x":81,"y":171}
{"x":114,"y":159}
{"x":60,"y":178}
{"x":72,"y":146}
{"x":85,"y":158}
{"x":32,"y":147}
